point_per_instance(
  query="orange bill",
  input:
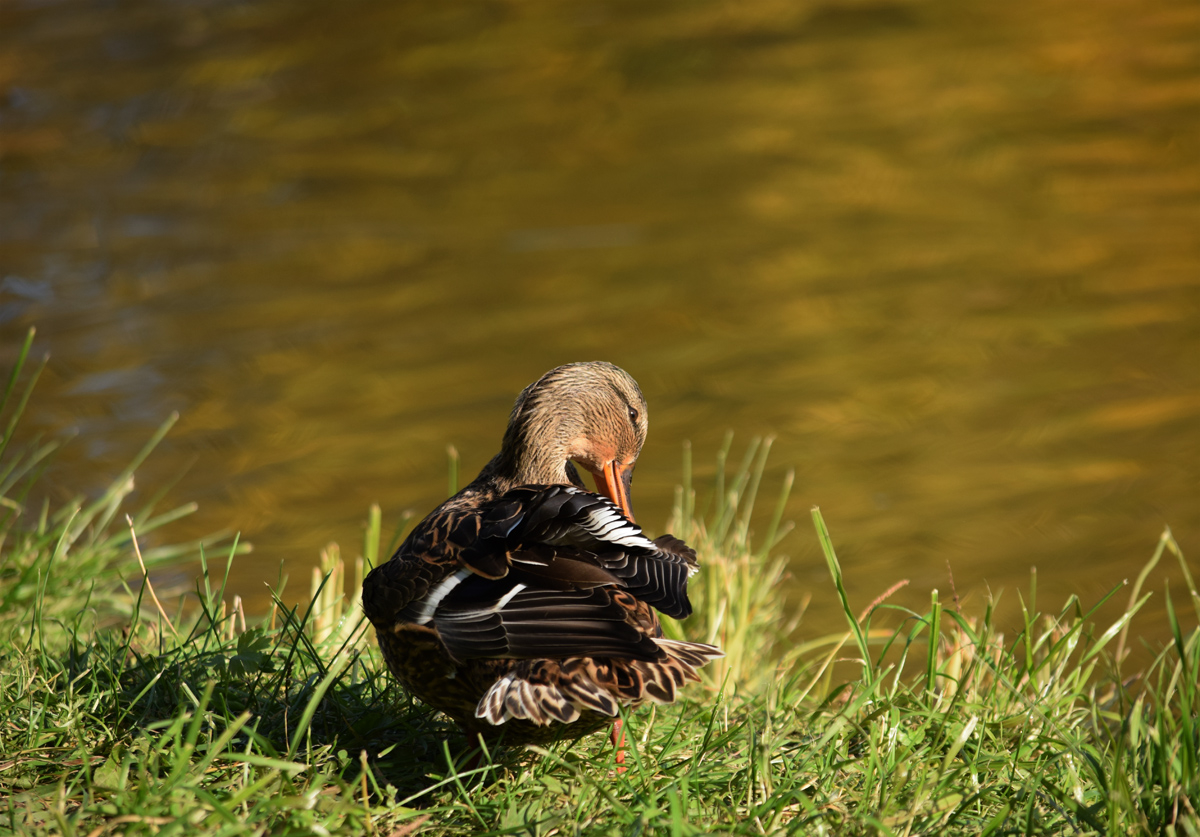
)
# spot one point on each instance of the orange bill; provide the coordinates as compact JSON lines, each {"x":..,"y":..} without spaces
{"x":614,"y":482}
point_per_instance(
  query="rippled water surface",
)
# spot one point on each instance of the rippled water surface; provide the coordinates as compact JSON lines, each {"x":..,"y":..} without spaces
{"x":947,"y":253}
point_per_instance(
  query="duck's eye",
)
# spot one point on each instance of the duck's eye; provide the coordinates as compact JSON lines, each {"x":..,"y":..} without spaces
{"x":633,"y":415}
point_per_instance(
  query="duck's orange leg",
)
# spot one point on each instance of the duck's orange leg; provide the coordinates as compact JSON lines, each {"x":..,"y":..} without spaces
{"x":618,"y":739}
{"x":475,"y":751}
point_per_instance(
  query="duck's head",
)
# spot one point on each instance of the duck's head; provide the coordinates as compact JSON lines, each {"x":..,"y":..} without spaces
{"x":591,"y":414}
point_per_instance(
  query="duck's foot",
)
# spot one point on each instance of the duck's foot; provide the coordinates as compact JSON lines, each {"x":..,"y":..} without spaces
{"x":473,"y":758}
{"x":617,"y":737}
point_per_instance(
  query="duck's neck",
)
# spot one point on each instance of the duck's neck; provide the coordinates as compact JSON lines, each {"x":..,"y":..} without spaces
{"x":533,"y":453}
{"x":531,"y":464}
{"x":502,"y":473}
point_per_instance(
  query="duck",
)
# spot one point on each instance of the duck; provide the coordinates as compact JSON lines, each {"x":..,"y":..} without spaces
{"x":526,"y":607}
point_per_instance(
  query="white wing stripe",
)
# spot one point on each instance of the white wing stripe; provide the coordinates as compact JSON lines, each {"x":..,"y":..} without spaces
{"x":607,"y":524}
{"x":430,"y":603}
{"x":475,"y":614}
{"x":507,"y":597}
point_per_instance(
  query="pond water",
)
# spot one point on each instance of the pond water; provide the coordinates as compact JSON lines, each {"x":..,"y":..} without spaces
{"x":948,"y":254}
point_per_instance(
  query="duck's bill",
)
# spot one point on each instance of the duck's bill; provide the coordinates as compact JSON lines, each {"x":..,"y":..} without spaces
{"x":614,"y":481}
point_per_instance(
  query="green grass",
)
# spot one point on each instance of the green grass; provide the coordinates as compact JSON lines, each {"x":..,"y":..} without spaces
{"x":120,"y":714}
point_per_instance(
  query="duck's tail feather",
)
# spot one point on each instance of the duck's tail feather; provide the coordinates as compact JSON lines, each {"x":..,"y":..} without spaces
{"x":548,"y":691}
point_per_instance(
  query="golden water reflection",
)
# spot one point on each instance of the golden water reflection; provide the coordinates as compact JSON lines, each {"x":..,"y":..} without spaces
{"x":946,"y":253}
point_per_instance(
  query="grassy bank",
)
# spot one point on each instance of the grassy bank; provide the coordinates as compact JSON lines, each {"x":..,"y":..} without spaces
{"x":123,"y":714}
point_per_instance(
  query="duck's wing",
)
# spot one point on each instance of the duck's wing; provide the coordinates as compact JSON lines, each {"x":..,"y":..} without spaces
{"x":548,"y":529}
{"x":557,"y":572}
{"x":407,"y":587}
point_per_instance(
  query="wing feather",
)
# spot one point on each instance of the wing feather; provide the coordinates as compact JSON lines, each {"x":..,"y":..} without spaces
{"x":529,"y":623}
{"x":547,"y":572}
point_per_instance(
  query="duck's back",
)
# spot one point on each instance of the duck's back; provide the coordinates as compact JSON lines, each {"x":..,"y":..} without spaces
{"x":536,"y":603}
{"x":426,"y":557}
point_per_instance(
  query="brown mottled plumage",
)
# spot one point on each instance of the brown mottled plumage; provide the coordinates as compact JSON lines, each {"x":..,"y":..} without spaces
{"x":525,"y":602}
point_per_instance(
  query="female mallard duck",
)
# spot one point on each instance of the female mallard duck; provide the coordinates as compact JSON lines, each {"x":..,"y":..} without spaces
{"x":526,"y":600}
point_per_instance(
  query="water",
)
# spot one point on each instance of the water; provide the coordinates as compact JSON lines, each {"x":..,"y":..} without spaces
{"x":947,"y":254}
